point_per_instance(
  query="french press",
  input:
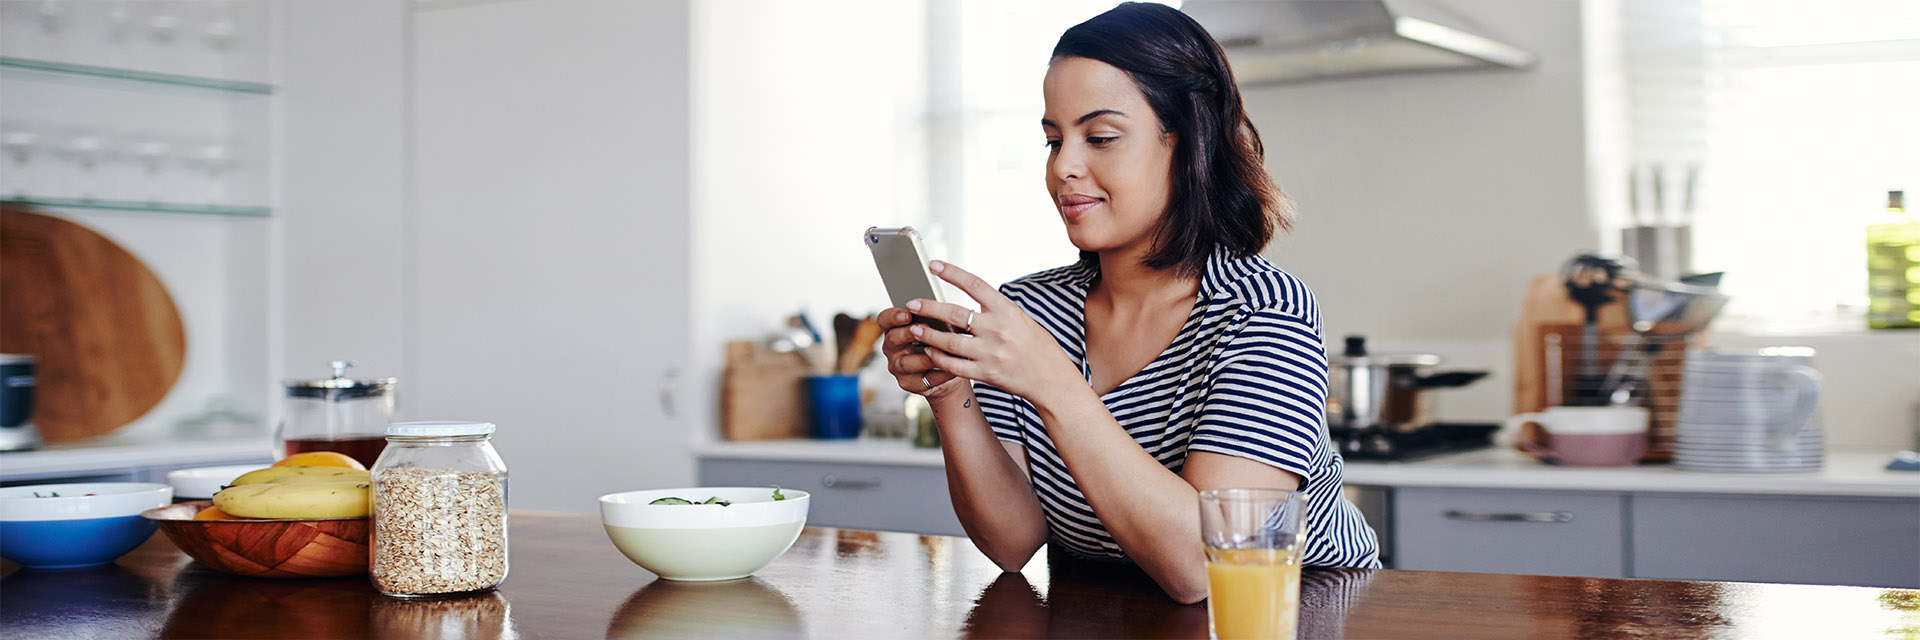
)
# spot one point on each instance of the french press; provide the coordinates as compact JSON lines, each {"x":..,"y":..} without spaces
{"x":338,"y":414}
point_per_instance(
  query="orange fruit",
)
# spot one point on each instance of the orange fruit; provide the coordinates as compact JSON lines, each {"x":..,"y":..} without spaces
{"x":214,"y":513}
{"x":321,"y":459}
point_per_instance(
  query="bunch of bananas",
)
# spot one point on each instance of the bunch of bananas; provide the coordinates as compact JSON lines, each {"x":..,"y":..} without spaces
{"x":290,"y":489}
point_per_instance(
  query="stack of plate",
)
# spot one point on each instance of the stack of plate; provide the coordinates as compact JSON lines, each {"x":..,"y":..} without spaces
{"x":1750,"y":411}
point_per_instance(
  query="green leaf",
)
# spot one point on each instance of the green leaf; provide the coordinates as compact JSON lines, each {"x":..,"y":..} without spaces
{"x":776,"y":493}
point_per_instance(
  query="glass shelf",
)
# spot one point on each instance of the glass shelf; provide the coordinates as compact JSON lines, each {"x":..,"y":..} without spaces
{"x":113,"y":73}
{"x":231,"y":211}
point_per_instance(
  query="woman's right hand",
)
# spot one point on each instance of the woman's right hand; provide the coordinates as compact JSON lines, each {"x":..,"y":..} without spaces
{"x":907,"y":360}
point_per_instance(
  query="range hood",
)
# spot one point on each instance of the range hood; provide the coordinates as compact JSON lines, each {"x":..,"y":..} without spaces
{"x":1287,"y":41}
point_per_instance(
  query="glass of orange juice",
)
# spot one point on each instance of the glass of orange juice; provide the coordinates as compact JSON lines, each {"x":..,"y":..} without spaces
{"x":1254,"y":538}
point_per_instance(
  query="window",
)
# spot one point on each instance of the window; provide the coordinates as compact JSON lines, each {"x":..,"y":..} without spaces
{"x":1800,"y":117}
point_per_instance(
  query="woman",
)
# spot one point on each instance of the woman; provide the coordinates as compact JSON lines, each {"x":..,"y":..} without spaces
{"x":1088,"y":405}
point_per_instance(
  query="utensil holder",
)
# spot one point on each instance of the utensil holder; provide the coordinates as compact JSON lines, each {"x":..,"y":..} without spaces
{"x":1655,"y":360}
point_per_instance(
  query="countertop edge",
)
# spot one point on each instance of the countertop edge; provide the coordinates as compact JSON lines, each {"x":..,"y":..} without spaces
{"x":42,"y":463}
{"x":895,"y":452}
{"x":1847,"y":473}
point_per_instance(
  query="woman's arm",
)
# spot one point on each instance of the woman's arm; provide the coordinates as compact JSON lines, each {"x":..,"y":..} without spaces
{"x":1151,"y":512}
{"x":986,"y":478}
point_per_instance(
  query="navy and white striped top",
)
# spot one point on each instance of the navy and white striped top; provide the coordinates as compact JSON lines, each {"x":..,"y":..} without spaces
{"x":1246,"y":376}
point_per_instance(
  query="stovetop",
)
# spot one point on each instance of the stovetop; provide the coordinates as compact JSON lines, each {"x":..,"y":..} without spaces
{"x":1426,"y":442}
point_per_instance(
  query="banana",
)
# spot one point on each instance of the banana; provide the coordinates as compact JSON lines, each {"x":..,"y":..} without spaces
{"x":343,"y":499}
{"x":273,"y":474}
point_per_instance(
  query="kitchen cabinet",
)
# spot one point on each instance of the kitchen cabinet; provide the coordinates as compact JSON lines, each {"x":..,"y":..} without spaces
{"x":1559,"y":533}
{"x":884,"y":497}
{"x":151,"y":124}
{"x":1858,"y":541}
{"x":1870,"y":541}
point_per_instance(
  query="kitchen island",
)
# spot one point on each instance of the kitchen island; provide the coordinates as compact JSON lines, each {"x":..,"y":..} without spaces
{"x":567,"y":581}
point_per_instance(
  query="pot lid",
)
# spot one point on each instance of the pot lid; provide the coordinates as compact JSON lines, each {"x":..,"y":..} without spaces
{"x":339,"y":387}
{"x":1390,"y":360}
{"x":1356,"y":355}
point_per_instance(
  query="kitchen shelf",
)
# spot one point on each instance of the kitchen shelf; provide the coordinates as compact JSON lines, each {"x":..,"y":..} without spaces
{"x":237,"y":87}
{"x":231,"y":211}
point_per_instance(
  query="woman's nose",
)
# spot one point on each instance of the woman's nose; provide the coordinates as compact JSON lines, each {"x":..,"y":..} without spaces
{"x":1069,"y":163}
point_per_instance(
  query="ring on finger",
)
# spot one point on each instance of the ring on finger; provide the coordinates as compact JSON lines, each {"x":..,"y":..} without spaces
{"x":969,"y":327}
{"x":924,"y":383}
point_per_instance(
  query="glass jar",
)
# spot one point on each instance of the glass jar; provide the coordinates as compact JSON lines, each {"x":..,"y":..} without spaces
{"x":337,"y":414}
{"x":439,"y":510}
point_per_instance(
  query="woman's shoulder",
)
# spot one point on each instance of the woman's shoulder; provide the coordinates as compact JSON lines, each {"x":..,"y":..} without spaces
{"x":1052,"y":280}
{"x":1256,"y":285}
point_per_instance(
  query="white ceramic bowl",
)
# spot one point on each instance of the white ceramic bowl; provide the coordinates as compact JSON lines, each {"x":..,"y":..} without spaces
{"x":698,"y":542}
{"x":201,"y":483}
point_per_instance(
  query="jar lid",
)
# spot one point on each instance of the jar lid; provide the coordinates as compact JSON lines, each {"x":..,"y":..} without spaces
{"x":440,"y":428}
{"x":339,"y":387}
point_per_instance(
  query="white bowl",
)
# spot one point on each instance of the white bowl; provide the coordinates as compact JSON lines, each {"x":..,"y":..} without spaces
{"x":201,"y":483}
{"x":80,"y":501}
{"x":699,"y":542}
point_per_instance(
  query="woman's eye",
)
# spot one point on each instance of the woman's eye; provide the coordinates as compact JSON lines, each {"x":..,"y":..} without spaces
{"x":1053,"y":144}
{"x":1100,"y":141}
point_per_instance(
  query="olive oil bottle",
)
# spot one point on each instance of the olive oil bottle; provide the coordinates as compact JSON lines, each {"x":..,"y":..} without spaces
{"x":1893,"y":268}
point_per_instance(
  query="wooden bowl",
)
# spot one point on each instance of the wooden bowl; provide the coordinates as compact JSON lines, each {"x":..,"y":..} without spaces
{"x":304,"y":548}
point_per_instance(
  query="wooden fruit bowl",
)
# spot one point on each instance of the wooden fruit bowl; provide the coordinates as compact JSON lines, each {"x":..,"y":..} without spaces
{"x":304,"y":548}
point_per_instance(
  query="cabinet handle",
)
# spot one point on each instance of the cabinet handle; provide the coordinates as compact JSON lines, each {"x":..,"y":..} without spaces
{"x":1525,"y":516}
{"x":831,"y":481}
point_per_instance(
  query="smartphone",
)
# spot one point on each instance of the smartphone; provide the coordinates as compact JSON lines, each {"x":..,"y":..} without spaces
{"x":902,"y":261}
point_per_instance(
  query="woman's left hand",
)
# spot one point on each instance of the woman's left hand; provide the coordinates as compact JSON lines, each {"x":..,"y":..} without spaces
{"x":998,"y":344}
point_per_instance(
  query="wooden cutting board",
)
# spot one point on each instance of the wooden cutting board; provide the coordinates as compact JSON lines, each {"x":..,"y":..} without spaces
{"x":107,"y":339}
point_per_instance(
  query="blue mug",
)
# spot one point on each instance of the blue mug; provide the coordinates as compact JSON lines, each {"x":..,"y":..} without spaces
{"x":833,"y":406}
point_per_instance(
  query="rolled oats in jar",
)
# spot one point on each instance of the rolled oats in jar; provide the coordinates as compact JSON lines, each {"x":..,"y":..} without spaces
{"x":439,"y":510}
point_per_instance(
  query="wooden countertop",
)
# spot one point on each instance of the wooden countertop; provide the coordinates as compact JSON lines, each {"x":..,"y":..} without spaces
{"x":567,"y":581}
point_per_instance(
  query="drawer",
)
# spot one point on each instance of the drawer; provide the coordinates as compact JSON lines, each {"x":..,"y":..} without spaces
{"x":878,"y":497}
{"x":1850,"y":541}
{"x":1522,"y":532}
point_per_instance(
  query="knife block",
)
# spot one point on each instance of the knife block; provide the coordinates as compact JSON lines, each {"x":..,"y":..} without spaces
{"x":1547,"y":347}
{"x":763,"y":394}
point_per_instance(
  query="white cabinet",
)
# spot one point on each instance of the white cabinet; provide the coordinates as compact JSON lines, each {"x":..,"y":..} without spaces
{"x":151,"y":124}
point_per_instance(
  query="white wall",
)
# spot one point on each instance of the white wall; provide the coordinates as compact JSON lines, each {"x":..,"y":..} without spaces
{"x":547,"y":252}
{"x":798,"y":120}
{"x":343,"y":123}
{"x":1428,"y":202}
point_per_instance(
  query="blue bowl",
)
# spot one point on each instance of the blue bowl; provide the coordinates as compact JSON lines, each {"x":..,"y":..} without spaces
{"x":61,"y":526}
{"x":62,"y":544}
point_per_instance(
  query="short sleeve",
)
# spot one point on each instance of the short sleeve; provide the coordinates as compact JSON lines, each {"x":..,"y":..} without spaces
{"x":1267,"y":394}
{"x":1002,"y":410}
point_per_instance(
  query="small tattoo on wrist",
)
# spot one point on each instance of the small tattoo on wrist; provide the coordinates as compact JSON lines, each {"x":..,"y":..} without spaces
{"x":967,"y":405}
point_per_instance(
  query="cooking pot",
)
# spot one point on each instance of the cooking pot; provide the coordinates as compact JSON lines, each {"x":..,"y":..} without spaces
{"x":1387,"y":391}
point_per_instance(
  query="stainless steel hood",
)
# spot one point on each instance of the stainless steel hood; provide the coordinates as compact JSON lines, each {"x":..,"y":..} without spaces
{"x":1286,"y":41}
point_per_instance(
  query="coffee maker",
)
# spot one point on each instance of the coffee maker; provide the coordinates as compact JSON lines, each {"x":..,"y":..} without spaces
{"x":16,"y":403}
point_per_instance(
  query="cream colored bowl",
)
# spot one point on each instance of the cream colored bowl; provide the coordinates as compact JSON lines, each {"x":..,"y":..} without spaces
{"x":698,"y":542}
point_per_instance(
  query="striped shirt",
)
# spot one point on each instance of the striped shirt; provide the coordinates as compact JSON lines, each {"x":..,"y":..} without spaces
{"x":1246,"y":376}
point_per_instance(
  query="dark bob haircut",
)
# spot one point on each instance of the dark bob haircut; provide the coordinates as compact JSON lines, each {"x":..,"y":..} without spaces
{"x":1221,"y":194}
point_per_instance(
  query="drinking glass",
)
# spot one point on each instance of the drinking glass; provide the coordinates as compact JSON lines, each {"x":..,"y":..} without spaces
{"x":1255,"y":539}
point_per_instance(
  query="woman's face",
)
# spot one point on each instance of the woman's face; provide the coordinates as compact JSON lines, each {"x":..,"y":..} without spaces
{"x":1109,"y":166}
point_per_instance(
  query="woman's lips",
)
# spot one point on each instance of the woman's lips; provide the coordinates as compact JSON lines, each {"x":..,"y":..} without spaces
{"x":1074,"y":205}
